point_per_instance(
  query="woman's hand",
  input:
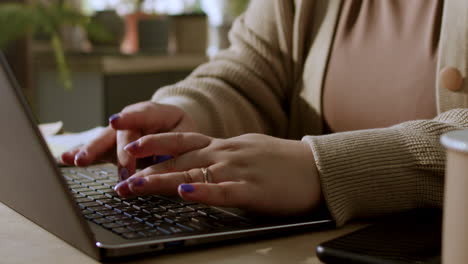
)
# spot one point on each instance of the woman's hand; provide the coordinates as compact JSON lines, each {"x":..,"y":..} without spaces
{"x":254,"y":172}
{"x":132,"y":123}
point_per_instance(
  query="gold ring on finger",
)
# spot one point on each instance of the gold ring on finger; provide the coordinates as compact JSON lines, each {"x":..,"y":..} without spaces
{"x":206,"y":175}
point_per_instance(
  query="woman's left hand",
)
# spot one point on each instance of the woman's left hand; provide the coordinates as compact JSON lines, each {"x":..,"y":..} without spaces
{"x":253,"y":172}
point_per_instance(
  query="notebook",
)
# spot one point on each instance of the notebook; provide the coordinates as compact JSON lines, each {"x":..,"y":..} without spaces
{"x":79,"y":206}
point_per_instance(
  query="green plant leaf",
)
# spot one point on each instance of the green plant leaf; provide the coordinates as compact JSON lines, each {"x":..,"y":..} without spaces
{"x":64,"y":71}
{"x":15,"y":21}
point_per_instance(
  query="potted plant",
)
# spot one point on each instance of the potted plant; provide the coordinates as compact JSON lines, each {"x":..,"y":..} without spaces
{"x":47,"y":18}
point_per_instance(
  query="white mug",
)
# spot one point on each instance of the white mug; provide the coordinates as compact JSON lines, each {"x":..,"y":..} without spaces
{"x":455,"y":222}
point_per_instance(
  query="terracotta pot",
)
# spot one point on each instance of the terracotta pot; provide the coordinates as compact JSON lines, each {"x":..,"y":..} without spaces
{"x":130,"y":44}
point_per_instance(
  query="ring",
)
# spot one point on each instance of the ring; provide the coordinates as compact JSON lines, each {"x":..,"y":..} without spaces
{"x":206,"y":175}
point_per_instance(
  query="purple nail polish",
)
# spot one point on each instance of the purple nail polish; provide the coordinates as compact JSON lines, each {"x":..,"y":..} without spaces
{"x":113,"y":118}
{"x":162,"y":158}
{"x":188,"y":188}
{"x":131,"y":180}
{"x":139,"y":182}
{"x":123,"y":173}
{"x":132,"y":146}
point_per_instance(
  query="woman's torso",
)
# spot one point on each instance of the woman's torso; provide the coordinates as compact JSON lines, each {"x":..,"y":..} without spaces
{"x":382,"y":64}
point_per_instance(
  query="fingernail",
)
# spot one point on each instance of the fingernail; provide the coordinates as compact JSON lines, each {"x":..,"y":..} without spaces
{"x":162,"y":158}
{"x":123,"y":173}
{"x":113,"y":118}
{"x":80,"y":156}
{"x":132,"y":146}
{"x":188,"y":188}
{"x":136,"y":182}
{"x":123,"y":189}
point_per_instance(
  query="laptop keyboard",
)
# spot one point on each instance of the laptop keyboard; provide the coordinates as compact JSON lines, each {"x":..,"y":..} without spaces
{"x":141,"y":217}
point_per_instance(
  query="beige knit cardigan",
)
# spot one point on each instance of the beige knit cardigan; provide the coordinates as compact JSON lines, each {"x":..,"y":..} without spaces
{"x":270,"y":81}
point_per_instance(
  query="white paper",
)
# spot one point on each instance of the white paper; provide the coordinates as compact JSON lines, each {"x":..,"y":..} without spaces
{"x":58,"y":144}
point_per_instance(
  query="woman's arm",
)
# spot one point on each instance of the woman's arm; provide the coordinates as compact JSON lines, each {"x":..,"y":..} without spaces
{"x":243,"y":89}
{"x":374,"y":172}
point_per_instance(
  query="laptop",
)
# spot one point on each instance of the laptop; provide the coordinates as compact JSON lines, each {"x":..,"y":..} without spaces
{"x":79,"y":206}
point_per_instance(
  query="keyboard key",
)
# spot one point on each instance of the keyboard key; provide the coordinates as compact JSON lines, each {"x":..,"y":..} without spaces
{"x":111,"y":195}
{"x":78,"y":195}
{"x":102,"y":220}
{"x":90,"y":184}
{"x":86,"y":211}
{"x":127,"y":222}
{"x":121,"y":230}
{"x":89,"y":204}
{"x":142,"y":206}
{"x":85,"y":177}
{"x":186,"y":227}
{"x":138,"y":227}
{"x":100,"y":187}
{"x":190,"y":215}
{"x":113,"y":204}
{"x":171,"y":206}
{"x":74,"y":186}
{"x":110,"y":191}
{"x":107,"y":212}
{"x":83,"y":200}
{"x":92,"y":216}
{"x":98,"y":197}
{"x":108,"y":182}
{"x":181,"y":210}
{"x":121,"y":208}
{"x":104,"y":201}
{"x":83,"y":180}
{"x":99,"y":208}
{"x":210,"y":211}
{"x":81,"y":190}
{"x":111,"y":225}
{"x":155,"y":210}
{"x":141,"y":214}
{"x":117,"y":217}
{"x":198,"y":206}
{"x":169,"y":220}
{"x":90,"y":193}
{"x":165,"y":215}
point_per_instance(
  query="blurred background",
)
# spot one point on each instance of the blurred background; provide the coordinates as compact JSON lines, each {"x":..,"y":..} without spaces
{"x":80,"y":61}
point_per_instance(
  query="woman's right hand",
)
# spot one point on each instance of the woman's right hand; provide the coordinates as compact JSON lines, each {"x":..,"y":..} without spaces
{"x":132,"y":123}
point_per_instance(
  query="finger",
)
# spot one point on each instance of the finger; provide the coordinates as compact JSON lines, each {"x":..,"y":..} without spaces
{"x":147,"y":116}
{"x":125,"y":162}
{"x":167,"y":183}
{"x":162,"y":184}
{"x":226,"y":194}
{"x":68,"y":158}
{"x":216,"y":173}
{"x":185,"y":162}
{"x":103,"y":143}
{"x":174,"y":144}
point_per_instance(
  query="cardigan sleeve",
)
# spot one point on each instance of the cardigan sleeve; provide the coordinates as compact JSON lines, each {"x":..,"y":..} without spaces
{"x":243,"y":88}
{"x":374,"y":172}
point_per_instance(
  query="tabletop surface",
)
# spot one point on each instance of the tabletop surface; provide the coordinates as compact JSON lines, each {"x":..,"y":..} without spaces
{"x":24,"y":242}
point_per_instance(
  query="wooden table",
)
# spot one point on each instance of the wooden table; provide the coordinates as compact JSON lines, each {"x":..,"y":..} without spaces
{"x":21,"y":241}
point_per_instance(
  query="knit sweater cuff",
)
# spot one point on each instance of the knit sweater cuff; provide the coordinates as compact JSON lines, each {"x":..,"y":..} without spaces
{"x":364,"y":173}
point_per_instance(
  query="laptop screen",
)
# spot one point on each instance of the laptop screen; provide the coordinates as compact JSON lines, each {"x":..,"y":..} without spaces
{"x":31,"y":184}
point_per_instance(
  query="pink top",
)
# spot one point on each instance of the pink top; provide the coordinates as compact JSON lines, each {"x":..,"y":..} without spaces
{"x":382,"y":66}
